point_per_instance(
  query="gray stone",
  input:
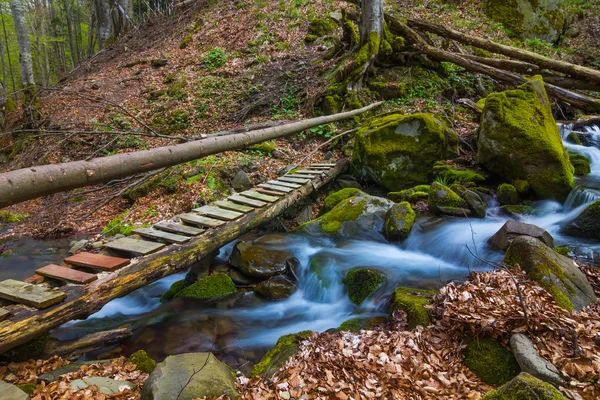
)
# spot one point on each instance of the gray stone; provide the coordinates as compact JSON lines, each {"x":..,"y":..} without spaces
{"x":304,"y":215}
{"x":278,"y":154}
{"x":513,"y":229}
{"x":524,"y":383}
{"x":77,"y":245}
{"x":257,"y":261}
{"x":276,"y":288}
{"x":55,"y":374}
{"x":105,"y":385}
{"x":348,"y":183}
{"x":285,"y":170}
{"x":11,"y":392}
{"x":241,"y":181}
{"x":189,"y":376}
{"x":532,"y":362}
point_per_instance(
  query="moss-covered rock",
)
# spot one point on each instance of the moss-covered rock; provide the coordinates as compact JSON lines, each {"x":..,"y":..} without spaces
{"x":358,"y":324}
{"x":519,"y":139}
{"x":580,"y":163}
{"x":451,"y":173}
{"x":525,"y":387}
{"x":443,"y":200}
{"x":258,"y":261}
{"x":175,"y":288}
{"x":142,"y":361}
{"x":507,"y":195}
{"x":412,"y":195}
{"x":523,"y":187}
{"x":573,"y":138}
{"x":275,"y":288}
{"x":398,"y":151}
{"x":555,"y":273}
{"x":413,"y":303}
{"x":405,"y":82}
{"x":473,"y":199}
{"x":399,"y":221}
{"x":286,"y":347}
{"x":358,"y":217}
{"x":516,"y":210}
{"x":491,"y":362}
{"x":210,"y":288}
{"x":320,"y":27}
{"x":362,"y":283}
{"x":335,"y":198}
{"x":265,"y":147}
{"x":587,"y":224}
{"x":563,"y":250}
{"x":28,"y":388}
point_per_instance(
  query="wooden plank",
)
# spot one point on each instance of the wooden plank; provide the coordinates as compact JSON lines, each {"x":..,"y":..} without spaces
{"x":199,"y":220}
{"x":35,"y":279}
{"x":286,"y":184}
{"x":308,"y":172}
{"x":179,"y":229}
{"x":318,"y":168}
{"x":304,"y":176}
{"x":66,"y":274}
{"x":330,"y":165}
{"x":258,"y":196}
{"x":97,"y":261}
{"x":228,"y":205}
{"x":4,"y":314}
{"x":161,"y":236}
{"x":218,"y":213}
{"x":269,"y":192}
{"x":37,"y":296}
{"x":134,"y":246}
{"x":277,"y":188}
{"x":236,"y":198}
{"x":289,"y":178}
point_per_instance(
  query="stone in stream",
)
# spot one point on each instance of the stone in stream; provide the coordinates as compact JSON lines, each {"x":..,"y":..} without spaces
{"x":275,"y":288}
{"x":525,"y":387}
{"x":443,"y":200}
{"x":399,"y":221}
{"x":190,"y":376}
{"x":587,"y":224}
{"x":507,"y":195}
{"x":105,"y":385}
{"x":209,"y":288}
{"x":532,"y":362}
{"x":413,"y":303}
{"x":362,"y":283}
{"x":271,"y":362}
{"x":513,"y":229}
{"x":476,"y":204}
{"x":519,"y":139}
{"x":581,"y":164}
{"x":11,"y":392}
{"x":399,"y":151}
{"x":558,"y":274}
{"x":257,"y":261}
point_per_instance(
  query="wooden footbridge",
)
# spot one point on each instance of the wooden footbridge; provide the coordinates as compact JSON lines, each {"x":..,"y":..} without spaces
{"x":87,"y":281}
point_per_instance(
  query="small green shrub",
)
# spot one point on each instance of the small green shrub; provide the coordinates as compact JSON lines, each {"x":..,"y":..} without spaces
{"x":215,"y":58}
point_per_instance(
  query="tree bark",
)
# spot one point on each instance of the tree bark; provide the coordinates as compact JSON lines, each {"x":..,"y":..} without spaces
{"x":82,"y":301}
{"x":371,"y":34}
{"x":29,"y":183}
{"x":103,"y":21}
{"x":69,"y":17}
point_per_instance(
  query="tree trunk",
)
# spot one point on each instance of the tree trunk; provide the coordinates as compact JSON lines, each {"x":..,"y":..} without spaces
{"x":371,"y":35}
{"x":103,"y":21}
{"x":29,"y":103}
{"x":29,"y":183}
{"x":8,"y":58}
{"x":69,"y":17}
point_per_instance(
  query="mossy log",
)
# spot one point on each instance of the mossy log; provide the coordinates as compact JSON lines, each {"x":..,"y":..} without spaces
{"x":27,"y":324}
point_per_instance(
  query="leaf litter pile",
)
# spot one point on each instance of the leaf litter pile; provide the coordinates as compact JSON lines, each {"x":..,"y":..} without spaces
{"x":392,"y":363}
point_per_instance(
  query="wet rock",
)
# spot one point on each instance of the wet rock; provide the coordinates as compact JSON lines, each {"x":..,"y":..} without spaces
{"x":199,"y":374}
{"x":362,"y":283}
{"x":105,"y":385}
{"x":519,"y":139}
{"x":358,"y":324}
{"x":518,"y":210}
{"x":413,"y":303}
{"x":508,"y":195}
{"x":399,"y":151}
{"x":399,"y":221}
{"x":443,"y":200}
{"x":412,"y":195}
{"x":476,"y":204}
{"x":581,"y":164}
{"x":490,"y":361}
{"x":11,"y":392}
{"x":257,"y":261}
{"x":240,"y":279}
{"x":513,"y":229}
{"x":77,"y":245}
{"x":210,"y":288}
{"x":532,"y":362}
{"x":587,"y":224}
{"x":335,"y":198}
{"x":286,"y":347}
{"x":525,"y":387}
{"x":558,"y":274}
{"x":241,"y":181}
{"x":276,"y":288}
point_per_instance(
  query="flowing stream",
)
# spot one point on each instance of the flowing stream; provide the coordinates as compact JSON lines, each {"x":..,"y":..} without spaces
{"x":241,"y":330}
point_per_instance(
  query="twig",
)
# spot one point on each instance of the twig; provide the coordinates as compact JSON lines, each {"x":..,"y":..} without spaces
{"x":324,"y":144}
{"x":208,"y":173}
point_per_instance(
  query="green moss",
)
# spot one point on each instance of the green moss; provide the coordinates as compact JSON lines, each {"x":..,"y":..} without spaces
{"x":523,"y":187}
{"x":452,"y":174}
{"x":358,"y":324}
{"x":556,"y":19}
{"x":443,"y":196}
{"x":335,"y":198}
{"x":209,"y":288}
{"x":413,"y":303}
{"x":320,"y":27}
{"x":175,"y":288}
{"x":310,"y":38}
{"x":491,"y":362}
{"x":507,"y":194}
{"x":349,"y":29}
{"x":185,"y":42}
{"x":412,"y":195}
{"x":362,"y":283}
{"x":563,"y":251}
{"x":28,"y":388}
{"x":573,"y":138}
{"x":399,"y":221}
{"x":143,"y":362}
{"x":525,"y":387}
{"x":265,"y":147}
{"x":10,"y":217}
{"x":158,"y":62}
{"x":587,"y":224}
{"x":518,"y":210}
{"x":286,"y":346}
{"x":580,"y":163}
{"x":506,"y":12}
{"x":346,"y":210}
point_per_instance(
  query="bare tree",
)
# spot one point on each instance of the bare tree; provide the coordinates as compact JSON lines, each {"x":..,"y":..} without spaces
{"x":103,"y":21}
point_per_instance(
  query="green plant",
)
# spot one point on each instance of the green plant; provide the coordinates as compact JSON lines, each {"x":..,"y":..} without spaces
{"x":325,"y":130}
{"x":215,"y":58}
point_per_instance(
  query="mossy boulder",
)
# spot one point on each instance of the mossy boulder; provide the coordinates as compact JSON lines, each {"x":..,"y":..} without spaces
{"x":265,"y":147}
{"x":399,"y":221}
{"x":361,"y":283}
{"x":412,"y":195}
{"x":175,"y":288}
{"x":523,"y":187}
{"x":358,"y":324}
{"x":514,"y":229}
{"x":413,"y":303}
{"x":519,"y":139}
{"x":473,"y":199}
{"x":490,"y":361}
{"x":399,"y":151}
{"x":28,"y":388}
{"x":587,"y":224}
{"x":507,"y":195}
{"x":573,"y":138}
{"x":528,"y":19}
{"x":555,"y":273}
{"x":443,"y":200}
{"x":275,"y":288}
{"x":142,"y":361}
{"x":525,"y":387}
{"x":580,"y":163}
{"x":258,"y":261}
{"x":210,"y":288}
{"x":398,"y":82}
{"x":451,"y":173}
{"x":286,"y":347}
{"x":335,"y":198}
{"x":358,"y":217}
{"x":320,"y":27}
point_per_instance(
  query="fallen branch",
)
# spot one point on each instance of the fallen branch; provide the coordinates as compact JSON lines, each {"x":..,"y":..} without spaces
{"x":323,"y":145}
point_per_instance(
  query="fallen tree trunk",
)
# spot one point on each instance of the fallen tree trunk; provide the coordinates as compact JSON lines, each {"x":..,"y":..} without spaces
{"x":29,"y":183}
{"x":508,"y":65}
{"x":575,"y":99}
{"x":575,"y":71}
{"x":27,"y":324}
